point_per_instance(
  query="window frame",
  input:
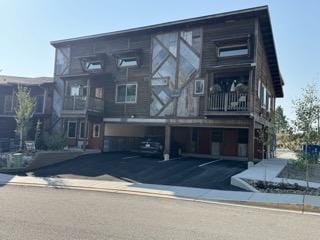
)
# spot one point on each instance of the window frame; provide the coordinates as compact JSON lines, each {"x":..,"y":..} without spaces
{"x":125,"y":101}
{"x":230,"y":46}
{"x":75,"y":133}
{"x":93,"y":130}
{"x":202,"y":82}
{"x":119,"y":61}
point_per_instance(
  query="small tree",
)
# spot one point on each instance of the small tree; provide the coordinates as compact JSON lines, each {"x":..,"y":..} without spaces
{"x":306,"y":108}
{"x":24,"y":112}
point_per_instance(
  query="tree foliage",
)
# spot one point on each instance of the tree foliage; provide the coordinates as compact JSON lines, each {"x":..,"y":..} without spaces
{"x":307,"y":114}
{"x":281,"y":122}
{"x":24,"y":111}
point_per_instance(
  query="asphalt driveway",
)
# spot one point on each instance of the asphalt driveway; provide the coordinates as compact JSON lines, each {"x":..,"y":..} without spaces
{"x":185,"y":171}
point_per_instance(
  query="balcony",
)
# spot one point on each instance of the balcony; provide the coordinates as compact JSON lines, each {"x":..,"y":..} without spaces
{"x":83,"y":104}
{"x":228,"y":102}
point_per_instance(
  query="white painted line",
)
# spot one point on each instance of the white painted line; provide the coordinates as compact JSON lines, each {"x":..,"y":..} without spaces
{"x":177,"y":158}
{"x":204,"y":164}
{"x":131,"y":157}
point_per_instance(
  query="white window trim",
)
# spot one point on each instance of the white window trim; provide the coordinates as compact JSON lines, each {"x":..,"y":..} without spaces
{"x":75,"y":135}
{"x":259,"y":88}
{"x":93,"y":130}
{"x":125,"y":101}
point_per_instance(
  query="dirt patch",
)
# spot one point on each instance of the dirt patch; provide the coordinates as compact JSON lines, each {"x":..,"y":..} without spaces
{"x":295,"y":172}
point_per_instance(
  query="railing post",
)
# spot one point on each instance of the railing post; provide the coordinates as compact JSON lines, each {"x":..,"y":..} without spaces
{"x":226,"y":102}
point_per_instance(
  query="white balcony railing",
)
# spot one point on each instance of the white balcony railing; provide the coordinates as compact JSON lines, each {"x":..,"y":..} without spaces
{"x":79,"y":103}
{"x":231,"y":101}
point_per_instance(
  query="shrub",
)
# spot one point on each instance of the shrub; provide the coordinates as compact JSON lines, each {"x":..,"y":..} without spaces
{"x":54,"y":141}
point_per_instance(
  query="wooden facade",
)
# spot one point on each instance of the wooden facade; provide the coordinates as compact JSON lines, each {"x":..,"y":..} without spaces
{"x":208,"y":73}
{"x":40,"y":90}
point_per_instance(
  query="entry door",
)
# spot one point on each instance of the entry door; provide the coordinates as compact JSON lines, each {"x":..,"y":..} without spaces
{"x":95,"y":138}
{"x":230,"y":142}
{"x":204,"y":141}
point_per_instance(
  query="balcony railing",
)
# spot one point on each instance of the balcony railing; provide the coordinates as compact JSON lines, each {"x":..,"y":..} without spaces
{"x":79,"y":103}
{"x":231,"y":101}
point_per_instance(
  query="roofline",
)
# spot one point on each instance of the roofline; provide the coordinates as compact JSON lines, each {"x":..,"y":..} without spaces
{"x":249,"y":12}
{"x":160,"y":25}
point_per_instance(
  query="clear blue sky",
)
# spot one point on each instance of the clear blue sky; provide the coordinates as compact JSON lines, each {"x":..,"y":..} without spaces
{"x":27,"y":27}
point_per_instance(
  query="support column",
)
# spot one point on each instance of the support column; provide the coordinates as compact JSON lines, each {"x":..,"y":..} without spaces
{"x":251,"y":141}
{"x":166,"y":153}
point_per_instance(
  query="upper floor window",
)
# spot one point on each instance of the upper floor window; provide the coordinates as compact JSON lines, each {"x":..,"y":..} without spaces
{"x":126,"y":93}
{"x":94,"y":63}
{"x":39,"y":100}
{"x":77,"y":88}
{"x":9,"y":103}
{"x":233,"y":50}
{"x":98,"y":93}
{"x":127,"y":61}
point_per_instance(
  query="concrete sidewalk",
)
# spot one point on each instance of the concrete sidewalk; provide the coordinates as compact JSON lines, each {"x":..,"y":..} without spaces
{"x":267,"y":170}
{"x":285,"y":201}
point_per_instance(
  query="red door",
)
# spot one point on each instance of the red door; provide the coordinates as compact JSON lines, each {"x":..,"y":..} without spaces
{"x":230,"y":142}
{"x":204,"y":143}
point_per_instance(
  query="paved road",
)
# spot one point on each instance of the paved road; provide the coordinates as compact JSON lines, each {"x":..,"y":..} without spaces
{"x":189,"y":172}
{"x":43,"y":213}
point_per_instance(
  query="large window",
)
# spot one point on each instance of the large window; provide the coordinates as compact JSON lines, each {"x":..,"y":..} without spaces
{"x":72,"y":129}
{"x":126,"y":93}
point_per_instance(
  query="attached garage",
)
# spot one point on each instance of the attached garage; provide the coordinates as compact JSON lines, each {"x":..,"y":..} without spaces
{"x":127,"y":137}
{"x":219,"y":142}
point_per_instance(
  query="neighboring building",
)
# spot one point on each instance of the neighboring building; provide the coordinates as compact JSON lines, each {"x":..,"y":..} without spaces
{"x":208,"y":83}
{"x":40,"y":89}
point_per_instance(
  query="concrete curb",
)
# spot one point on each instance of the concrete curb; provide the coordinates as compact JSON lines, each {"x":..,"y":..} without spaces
{"x":298,"y":203}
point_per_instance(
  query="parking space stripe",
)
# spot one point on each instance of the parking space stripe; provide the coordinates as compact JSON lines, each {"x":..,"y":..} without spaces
{"x":131,"y":157}
{"x":207,"y":163}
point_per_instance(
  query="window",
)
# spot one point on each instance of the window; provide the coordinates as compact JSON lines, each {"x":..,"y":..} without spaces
{"x":126,"y":93}
{"x":72,"y":129}
{"x":82,"y":129}
{"x":78,"y":90}
{"x":98,"y":93}
{"x":96,"y":130}
{"x":259,"y":88}
{"x":263,"y":95}
{"x":93,"y":63}
{"x":94,"y":66}
{"x":39,"y":104}
{"x":8,"y":103}
{"x":127,"y":61}
{"x":199,"y":87}
{"x":233,"y":50}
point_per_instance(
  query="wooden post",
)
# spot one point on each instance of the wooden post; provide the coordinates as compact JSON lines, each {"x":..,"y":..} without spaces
{"x":251,"y":141}
{"x":167,"y":142}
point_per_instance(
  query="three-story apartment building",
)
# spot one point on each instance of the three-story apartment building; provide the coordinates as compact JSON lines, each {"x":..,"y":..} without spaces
{"x":208,"y":83}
